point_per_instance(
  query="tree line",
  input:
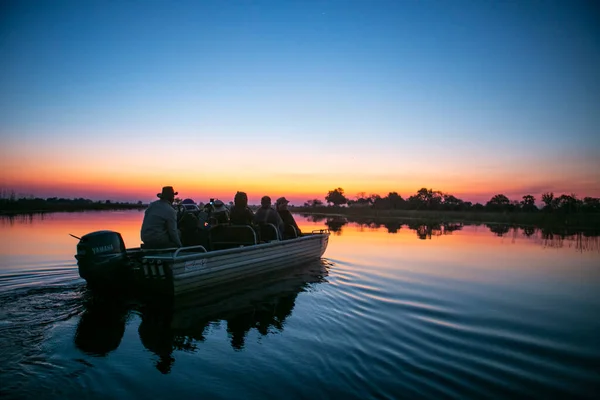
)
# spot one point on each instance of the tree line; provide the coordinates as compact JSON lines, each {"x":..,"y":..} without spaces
{"x":9,"y":202}
{"x":435,"y":200}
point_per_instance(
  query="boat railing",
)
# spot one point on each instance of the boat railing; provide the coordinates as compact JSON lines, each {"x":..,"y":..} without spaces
{"x":268,"y":232}
{"x":320,"y":231}
{"x":151,"y":251}
{"x":189,"y":248}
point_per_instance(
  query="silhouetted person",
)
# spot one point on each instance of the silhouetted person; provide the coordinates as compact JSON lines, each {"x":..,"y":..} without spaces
{"x":240,"y":214}
{"x":159,"y":229}
{"x":285,"y":214}
{"x":267,"y":215}
{"x":217,"y":212}
{"x":193,"y":232}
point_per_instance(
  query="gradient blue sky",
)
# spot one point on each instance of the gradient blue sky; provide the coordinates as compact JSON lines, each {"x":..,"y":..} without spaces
{"x":469,"y":97}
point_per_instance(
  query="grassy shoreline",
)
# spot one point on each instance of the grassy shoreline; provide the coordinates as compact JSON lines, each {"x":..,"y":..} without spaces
{"x":540,"y":219}
{"x":72,"y":208}
{"x":574,"y":220}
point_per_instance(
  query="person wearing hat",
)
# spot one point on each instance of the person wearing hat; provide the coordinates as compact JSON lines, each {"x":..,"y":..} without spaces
{"x":159,"y":228}
{"x":267,"y":215}
{"x":285,"y":214}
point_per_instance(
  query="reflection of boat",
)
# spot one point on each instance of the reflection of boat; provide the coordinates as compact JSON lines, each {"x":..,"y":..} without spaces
{"x":233,"y":253}
{"x":101,"y":326}
{"x":262,"y":303}
{"x":182,"y":322}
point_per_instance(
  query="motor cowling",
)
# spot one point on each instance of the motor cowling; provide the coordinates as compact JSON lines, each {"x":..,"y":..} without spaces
{"x":101,"y":256}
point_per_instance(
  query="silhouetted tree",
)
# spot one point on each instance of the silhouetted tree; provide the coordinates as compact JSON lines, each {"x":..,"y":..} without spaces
{"x":428,"y":199}
{"x":336,"y":197}
{"x":395,"y":201}
{"x":568,"y":203}
{"x":377,"y":201}
{"x":528,"y":203}
{"x":313,"y":203}
{"x":450,"y":202}
{"x":498,"y":203}
{"x":590,"y":204}
{"x":548,"y":200}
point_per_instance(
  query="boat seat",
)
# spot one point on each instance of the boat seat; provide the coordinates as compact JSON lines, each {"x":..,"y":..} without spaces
{"x":268,"y":232}
{"x":227,"y":236}
{"x":290,"y":232}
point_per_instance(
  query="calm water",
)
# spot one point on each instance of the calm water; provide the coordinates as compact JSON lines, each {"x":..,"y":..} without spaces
{"x":392,"y":311}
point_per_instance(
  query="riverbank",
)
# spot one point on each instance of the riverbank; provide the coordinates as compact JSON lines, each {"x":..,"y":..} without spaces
{"x":51,"y":208}
{"x":575,"y":220}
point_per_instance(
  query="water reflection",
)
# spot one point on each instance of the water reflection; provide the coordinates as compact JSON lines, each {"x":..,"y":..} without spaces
{"x":335,"y":224}
{"x":22,"y":218}
{"x":553,"y":237}
{"x":179,"y":324}
{"x":102,"y":325}
{"x":426,"y":309}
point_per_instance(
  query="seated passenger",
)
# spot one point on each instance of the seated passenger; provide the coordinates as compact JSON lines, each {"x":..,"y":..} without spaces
{"x":267,"y":215}
{"x":159,"y":228}
{"x":219,"y":213}
{"x":240,"y":214}
{"x":285,"y":214}
{"x":193,"y":232}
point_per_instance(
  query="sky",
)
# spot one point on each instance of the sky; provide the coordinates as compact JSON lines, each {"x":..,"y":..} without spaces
{"x":115,"y":99}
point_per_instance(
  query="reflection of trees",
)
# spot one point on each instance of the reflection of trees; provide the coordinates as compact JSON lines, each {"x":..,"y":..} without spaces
{"x":583,"y":240}
{"x":262,"y":304}
{"x":580,"y":240}
{"x":314,"y":218}
{"x":393,"y":226}
{"x":335,"y":224}
{"x":22,"y":218}
{"x":499,"y":229}
{"x":426,"y":230}
{"x":367,"y":223}
{"x":448,"y":228}
{"x":529,"y":231}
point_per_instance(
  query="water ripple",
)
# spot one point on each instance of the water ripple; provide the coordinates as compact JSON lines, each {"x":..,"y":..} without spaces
{"x":360,"y":327}
{"x":441,"y":348}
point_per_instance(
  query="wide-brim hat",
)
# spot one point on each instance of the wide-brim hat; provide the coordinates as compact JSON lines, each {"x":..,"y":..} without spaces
{"x":282,"y":200}
{"x":167,"y":192}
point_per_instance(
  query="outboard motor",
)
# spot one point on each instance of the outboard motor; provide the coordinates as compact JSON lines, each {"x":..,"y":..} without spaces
{"x":102,"y":259}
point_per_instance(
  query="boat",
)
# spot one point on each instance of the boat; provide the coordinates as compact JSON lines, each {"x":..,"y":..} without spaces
{"x":232,"y":252}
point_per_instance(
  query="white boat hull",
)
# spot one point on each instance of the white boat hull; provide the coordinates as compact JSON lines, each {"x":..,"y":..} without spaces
{"x":185,"y":272}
